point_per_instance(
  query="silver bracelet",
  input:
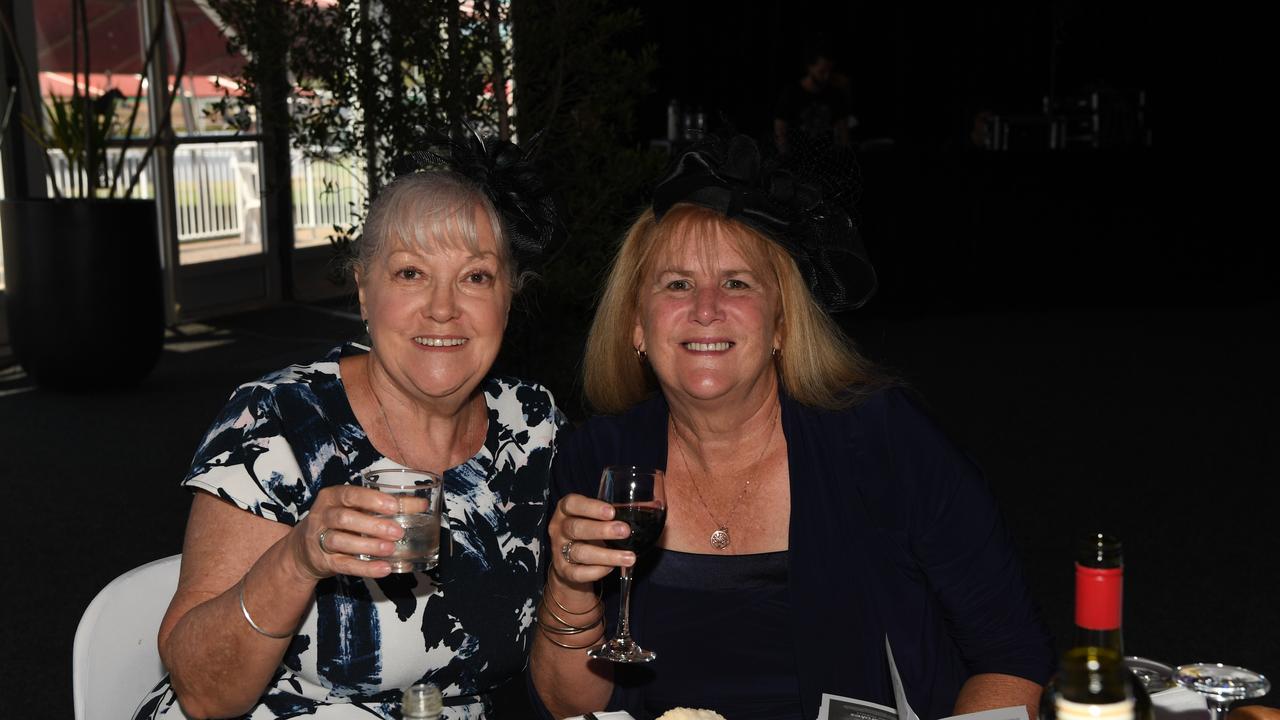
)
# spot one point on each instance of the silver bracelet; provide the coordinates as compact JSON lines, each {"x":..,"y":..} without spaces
{"x":253,"y":624}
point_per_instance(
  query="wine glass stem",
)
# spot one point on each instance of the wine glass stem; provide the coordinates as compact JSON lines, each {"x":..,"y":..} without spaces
{"x":1218,"y":708}
{"x":624,"y":607}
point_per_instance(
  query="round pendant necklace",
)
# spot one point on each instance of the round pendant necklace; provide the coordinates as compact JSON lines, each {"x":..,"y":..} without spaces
{"x":720,"y":538}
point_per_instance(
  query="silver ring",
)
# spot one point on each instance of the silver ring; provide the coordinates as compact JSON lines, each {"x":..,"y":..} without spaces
{"x":320,"y":539}
{"x":566,"y":551}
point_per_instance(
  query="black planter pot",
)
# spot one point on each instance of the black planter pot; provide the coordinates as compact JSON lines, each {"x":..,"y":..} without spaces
{"x":85,"y":296}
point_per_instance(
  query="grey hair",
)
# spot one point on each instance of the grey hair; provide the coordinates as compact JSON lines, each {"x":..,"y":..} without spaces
{"x":427,"y":211}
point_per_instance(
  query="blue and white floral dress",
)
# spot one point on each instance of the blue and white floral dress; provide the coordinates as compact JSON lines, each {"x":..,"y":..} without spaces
{"x":467,"y":625}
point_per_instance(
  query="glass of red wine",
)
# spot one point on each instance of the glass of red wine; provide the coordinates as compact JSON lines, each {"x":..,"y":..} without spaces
{"x":639,"y":499}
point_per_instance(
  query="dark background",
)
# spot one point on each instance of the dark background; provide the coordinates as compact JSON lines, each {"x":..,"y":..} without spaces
{"x":917,"y":69}
{"x":1098,"y":328}
{"x":1176,"y":221}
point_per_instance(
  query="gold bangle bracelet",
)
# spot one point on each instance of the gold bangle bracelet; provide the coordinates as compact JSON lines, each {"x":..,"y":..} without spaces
{"x":567,"y":646}
{"x":569,"y":630}
{"x":588,"y":611}
{"x":566,"y":623}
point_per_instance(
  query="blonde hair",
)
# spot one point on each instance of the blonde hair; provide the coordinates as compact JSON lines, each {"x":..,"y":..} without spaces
{"x":817,"y":366}
{"x":427,"y":211}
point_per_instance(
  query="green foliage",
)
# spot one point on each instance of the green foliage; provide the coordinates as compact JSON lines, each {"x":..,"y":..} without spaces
{"x":82,"y":129}
{"x":579,"y":85}
{"x":371,"y":78}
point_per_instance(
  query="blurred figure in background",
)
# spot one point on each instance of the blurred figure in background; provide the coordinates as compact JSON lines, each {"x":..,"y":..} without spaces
{"x":814,"y":105}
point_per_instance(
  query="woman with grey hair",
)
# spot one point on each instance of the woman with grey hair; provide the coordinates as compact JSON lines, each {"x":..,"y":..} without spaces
{"x":275,"y":614}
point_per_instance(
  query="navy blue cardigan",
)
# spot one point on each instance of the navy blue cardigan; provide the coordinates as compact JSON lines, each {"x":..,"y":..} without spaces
{"x":893,"y":532}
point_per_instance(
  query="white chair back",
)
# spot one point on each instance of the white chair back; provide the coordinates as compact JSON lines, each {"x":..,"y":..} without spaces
{"x":115,"y":660}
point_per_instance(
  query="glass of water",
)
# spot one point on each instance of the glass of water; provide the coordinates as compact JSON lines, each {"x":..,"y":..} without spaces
{"x":418,"y":494}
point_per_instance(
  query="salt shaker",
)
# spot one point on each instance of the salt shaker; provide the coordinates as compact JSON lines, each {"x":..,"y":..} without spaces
{"x":422,"y":702}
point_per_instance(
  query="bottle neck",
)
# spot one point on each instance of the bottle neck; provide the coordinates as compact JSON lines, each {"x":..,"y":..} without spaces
{"x":1099,"y":607}
{"x":1112,"y":640}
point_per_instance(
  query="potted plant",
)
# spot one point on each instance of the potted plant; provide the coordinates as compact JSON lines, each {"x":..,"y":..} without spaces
{"x":82,"y":268}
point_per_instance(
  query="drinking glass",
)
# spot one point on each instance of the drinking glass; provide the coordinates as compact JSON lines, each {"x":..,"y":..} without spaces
{"x":1154,"y":676}
{"x":639,"y":499}
{"x":418,"y":495}
{"x":1221,"y":684}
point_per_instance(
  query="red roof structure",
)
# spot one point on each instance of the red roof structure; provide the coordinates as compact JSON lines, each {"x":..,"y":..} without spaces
{"x":116,"y":45}
{"x":55,"y":83}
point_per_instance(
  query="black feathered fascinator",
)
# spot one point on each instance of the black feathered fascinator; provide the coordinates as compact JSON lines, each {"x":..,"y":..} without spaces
{"x":508,"y":177}
{"x":802,"y":201}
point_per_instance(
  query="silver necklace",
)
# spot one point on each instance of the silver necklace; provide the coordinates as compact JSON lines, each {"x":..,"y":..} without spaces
{"x":467,"y":433}
{"x":368,"y":375}
{"x":720,"y":538}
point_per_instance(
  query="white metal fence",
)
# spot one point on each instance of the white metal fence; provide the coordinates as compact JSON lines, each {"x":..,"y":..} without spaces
{"x":325,"y":193}
{"x":218,"y":193}
{"x":69,"y":184}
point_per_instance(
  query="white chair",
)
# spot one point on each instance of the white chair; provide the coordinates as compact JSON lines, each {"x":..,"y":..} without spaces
{"x":248,"y":199}
{"x":115,"y":660}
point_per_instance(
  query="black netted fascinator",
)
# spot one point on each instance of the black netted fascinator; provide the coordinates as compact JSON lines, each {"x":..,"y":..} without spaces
{"x":802,"y":201}
{"x":508,"y":177}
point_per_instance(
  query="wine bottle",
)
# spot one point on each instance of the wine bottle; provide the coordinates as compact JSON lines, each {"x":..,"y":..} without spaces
{"x":1092,"y":681}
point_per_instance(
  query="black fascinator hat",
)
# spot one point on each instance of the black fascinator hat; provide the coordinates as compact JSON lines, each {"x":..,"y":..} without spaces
{"x":803,"y":201}
{"x":507,"y":175}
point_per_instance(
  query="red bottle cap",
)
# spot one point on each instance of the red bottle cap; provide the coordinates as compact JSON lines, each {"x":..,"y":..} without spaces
{"x":1098,"y":597}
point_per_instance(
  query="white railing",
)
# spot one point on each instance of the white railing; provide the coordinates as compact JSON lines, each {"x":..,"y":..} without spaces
{"x":67,"y":182}
{"x":215,"y":188}
{"x":218,"y":194}
{"x":325,"y":193}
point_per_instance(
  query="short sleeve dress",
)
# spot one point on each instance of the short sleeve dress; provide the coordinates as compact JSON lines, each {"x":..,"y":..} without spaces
{"x":466,"y":626}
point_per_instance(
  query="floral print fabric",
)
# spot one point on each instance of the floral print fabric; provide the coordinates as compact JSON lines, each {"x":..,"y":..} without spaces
{"x":466,"y":626}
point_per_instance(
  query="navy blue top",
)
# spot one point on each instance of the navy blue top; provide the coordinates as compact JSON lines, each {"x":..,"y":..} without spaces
{"x":893,"y":533}
{"x":721,"y":622}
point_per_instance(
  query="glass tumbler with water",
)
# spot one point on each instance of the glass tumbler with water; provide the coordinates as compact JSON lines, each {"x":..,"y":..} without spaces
{"x":418,"y":495}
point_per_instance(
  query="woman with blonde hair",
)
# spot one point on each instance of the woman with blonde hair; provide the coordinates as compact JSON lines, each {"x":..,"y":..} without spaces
{"x":813,"y":510}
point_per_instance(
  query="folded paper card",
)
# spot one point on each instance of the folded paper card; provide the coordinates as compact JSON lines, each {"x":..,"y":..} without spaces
{"x":835,"y":707}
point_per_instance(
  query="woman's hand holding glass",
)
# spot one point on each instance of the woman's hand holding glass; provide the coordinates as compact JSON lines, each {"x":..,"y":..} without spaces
{"x":340,"y":525}
{"x":583,"y":524}
{"x":570,"y":616}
